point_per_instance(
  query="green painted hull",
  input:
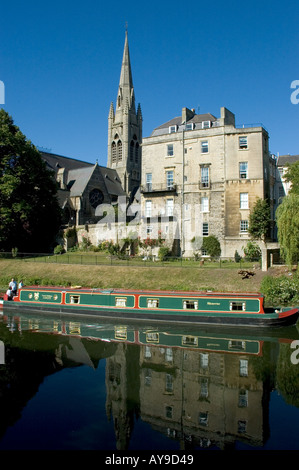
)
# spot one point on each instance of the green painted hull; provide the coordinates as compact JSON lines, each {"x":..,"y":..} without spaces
{"x":203,"y":308}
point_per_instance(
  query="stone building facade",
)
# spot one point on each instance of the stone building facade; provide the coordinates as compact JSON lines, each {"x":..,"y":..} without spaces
{"x":201,"y":176}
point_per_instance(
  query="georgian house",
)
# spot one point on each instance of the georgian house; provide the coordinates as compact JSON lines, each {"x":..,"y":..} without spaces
{"x":201,"y":175}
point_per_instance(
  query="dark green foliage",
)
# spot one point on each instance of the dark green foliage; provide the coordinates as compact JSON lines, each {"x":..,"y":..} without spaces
{"x":260,"y":220}
{"x":282,"y":290}
{"x":292,"y":176}
{"x":29,"y":210}
{"x":164,"y":253}
{"x":212,"y":246}
{"x":287,"y":216}
{"x":252,"y":251}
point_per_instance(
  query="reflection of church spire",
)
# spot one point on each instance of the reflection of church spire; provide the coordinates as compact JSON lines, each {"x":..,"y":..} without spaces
{"x":122,"y":385}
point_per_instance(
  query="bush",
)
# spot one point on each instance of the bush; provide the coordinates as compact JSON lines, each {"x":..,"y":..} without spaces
{"x":252,"y":251}
{"x":212,"y":246}
{"x":164,"y":253}
{"x":58,"y":250}
{"x":283,"y":290}
{"x":237,"y":257}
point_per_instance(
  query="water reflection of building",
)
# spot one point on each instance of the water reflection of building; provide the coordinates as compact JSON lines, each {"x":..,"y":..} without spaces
{"x":199,"y":398}
{"x":212,"y":396}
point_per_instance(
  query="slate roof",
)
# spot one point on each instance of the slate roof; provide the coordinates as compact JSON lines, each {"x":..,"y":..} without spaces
{"x":79,"y":178}
{"x":197,"y":119}
{"x":54,"y":162}
{"x":284,"y":160}
{"x":79,"y":173}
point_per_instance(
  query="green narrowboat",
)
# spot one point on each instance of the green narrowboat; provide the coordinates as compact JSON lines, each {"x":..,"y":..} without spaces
{"x":210,"y":308}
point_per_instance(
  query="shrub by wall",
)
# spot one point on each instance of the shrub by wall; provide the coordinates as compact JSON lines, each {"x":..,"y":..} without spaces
{"x":282,"y":290}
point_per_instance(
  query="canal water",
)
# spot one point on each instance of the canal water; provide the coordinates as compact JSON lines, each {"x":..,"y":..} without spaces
{"x":86,"y":384}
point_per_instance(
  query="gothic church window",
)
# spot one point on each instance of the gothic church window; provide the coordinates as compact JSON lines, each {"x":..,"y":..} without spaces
{"x":119,"y":151}
{"x":113,"y":152}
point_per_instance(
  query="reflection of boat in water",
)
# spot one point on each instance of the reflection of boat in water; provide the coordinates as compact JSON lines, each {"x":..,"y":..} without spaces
{"x":207,"y":308}
{"x":210,"y":338}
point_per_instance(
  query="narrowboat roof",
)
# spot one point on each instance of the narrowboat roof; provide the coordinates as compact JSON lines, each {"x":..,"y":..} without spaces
{"x":146,"y":292}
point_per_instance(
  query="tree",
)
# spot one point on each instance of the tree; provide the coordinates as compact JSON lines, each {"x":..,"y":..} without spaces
{"x":260,"y":220}
{"x":287,"y":219}
{"x":292,"y":176}
{"x":29,"y":210}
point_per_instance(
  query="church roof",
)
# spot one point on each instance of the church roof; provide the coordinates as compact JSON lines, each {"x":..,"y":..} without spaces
{"x":112,"y":181}
{"x":54,"y":162}
{"x":79,"y":172}
{"x":79,"y":178}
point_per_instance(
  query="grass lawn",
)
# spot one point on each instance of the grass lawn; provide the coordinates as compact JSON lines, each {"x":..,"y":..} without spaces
{"x":174,"y":275}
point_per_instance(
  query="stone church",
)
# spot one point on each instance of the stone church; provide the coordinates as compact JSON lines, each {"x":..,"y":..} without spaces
{"x":84,"y":186}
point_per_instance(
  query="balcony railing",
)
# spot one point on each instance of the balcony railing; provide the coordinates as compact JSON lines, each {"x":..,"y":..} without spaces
{"x":158,"y":188}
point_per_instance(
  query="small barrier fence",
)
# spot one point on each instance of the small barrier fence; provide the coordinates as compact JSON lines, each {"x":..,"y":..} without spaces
{"x":104,"y":258}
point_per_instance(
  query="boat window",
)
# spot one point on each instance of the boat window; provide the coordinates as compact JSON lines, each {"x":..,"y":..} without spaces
{"x":121,"y":333}
{"x":189,"y":341}
{"x":120,"y":301}
{"x":237,"y":306}
{"x":153,"y":303}
{"x":152,"y":337}
{"x":75,"y":328}
{"x":192,"y":304}
{"x":75,"y":299}
{"x":237,"y":345}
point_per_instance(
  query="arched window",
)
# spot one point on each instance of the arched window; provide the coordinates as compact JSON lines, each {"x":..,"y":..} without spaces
{"x":113,"y":152}
{"x":119,"y":151}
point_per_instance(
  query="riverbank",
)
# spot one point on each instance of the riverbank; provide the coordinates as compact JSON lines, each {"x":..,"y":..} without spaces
{"x":168,"y":278}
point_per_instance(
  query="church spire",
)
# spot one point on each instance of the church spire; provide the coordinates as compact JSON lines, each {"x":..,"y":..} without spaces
{"x":125,"y":89}
{"x":125,"y":129}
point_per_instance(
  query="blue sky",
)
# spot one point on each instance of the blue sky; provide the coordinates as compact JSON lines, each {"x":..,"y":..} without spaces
{"x":60,"y":64}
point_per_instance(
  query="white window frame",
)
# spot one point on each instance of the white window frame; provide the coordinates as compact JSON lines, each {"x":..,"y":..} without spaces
{"x":243,"y":142}
{"x":173,"y":129}
{"x":206,"y":124}
{"x":169,"y":180}
{"x":204,"y":204}
{"x":204,"y":146}
{"x":169,"y":207}
{"x":243,"y":226}
{"x":148,"y":179}
{"x":204,"y":177}
{"x":170,"y":151}
{"x":243,"y":170}
{"x":190,"y":126}
{"x":148,"y":208}
{"x":244,"y":201}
